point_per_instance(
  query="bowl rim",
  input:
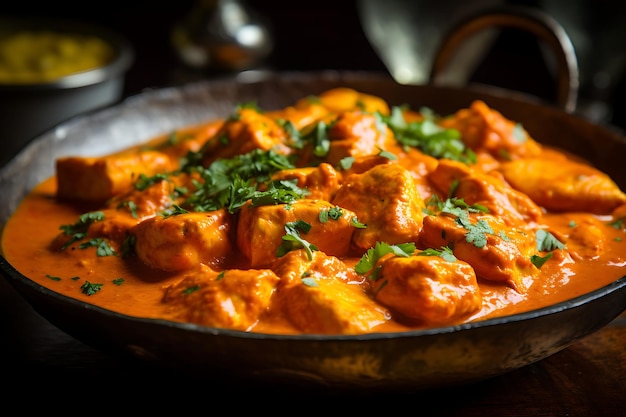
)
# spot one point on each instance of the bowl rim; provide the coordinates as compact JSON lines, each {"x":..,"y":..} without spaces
{"x":123,"y":60}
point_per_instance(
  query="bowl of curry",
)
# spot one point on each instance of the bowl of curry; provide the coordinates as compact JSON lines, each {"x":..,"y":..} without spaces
{"x":336,"y":229}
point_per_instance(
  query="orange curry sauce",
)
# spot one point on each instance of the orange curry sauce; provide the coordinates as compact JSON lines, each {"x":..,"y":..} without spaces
{"x":408,"y":220}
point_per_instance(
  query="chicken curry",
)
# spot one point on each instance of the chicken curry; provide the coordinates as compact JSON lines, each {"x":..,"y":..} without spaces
{"x":339,"y":214}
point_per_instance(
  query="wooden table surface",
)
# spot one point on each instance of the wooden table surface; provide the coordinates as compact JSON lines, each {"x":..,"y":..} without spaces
{"x":586,"y":379}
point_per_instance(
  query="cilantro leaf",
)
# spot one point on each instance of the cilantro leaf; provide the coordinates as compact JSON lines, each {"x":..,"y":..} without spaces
{"x":546,"y":241}
{"x":380,"y":249}
{"x":78,"y":230}
{"x":292,"y":239}
{"x":445,"y":252}
{"x":428,"y":137}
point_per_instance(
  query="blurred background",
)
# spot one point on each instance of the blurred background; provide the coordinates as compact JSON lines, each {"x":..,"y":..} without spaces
{"x":354,"y":35}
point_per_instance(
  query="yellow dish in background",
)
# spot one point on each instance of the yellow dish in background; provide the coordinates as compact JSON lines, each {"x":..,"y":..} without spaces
{"x":52,"y":69}
{"x":39,"y":56}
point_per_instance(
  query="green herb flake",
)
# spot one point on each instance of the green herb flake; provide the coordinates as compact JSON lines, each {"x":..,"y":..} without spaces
{"x":78,"y":230}
{"x":476,"y":233}
{"x":346,"y":163}
{"x":546,"y":242}
{"x":333,"y":213}
{"x":174,"y":210}
{"x":388,"y":155}
{"x":354,"y":222}
{"x":538,"y":260}
{"x":445,"y":252}
{"x":53,"y":278}
{"x":102,"y":246}
{"x":519,"y":133}
{"x":380,"y":249}
{"x":428,"y":136}
{"x":617,"y":223}
{"x":89,"y":288}
{"x":132,"y":207}
{"x":191,"y":290}
{"x":292,"y":239}
{"x":310,"y":282}
{"x":144,"y":181}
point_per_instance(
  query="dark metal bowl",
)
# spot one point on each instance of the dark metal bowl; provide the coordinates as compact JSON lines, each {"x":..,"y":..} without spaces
{"x":28,"y":110}
{"x":390,"y":361}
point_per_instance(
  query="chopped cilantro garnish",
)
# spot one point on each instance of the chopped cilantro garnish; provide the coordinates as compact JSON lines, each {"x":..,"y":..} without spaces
{"x":191,"y":290}
{"x":102,"y":246}
{"x":445,"y":252}
{"x":519,"y":133}
{"x":333,"y":213}
{"x":53,"y":278}
{"x":292,"y":240}
{"x":279,"y":192}
{"x":174,"y":210}
{"x":428,"y":137}
{"x":310,"y":282}
{"x":78,"y":230}
{"x":346,"y":163}
{"x":354,"y":222}
{"x":319,"y":138}
{"x":546,"y":241}
{"x":388,"y":155}
{"x":144,"y":181}
{"x":232,"y":182}
{"x":369,"y":259}
{"x":90,"y":288}
{"x":538,"y":261}
{"x":617,"y":223}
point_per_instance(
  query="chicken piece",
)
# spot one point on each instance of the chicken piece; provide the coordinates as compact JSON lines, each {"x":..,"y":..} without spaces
{"x":362,"y":164}
{"x":341,"y":99}
{"x":475,"y":187}
{"x":97,"y":179}
{"x":619,"y":212}
{"x":322,"y":181}
{"x":125,"y":211}
{"x":181,"y":242}
{"x":115,"y":227}
{"x":418,"y":164}
{"x":584,"y":236}
{"x":385,"y":198}
{"x":232,"y":299}
{"x":149,"y":198}
{"x":484,"y":129}
{"x":178,"y":143}
{"x":564,"y":185}
{"x":104,"y":229}
{"x":428,"y":289}
{"x":496,"y":252}
{"x":355,"y":134}
{"x":260,"y":230}
{"x":296,"y":265}
{"x":306,"y":113}
{"x":331,"y":306}
{"x":248,"y":131}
